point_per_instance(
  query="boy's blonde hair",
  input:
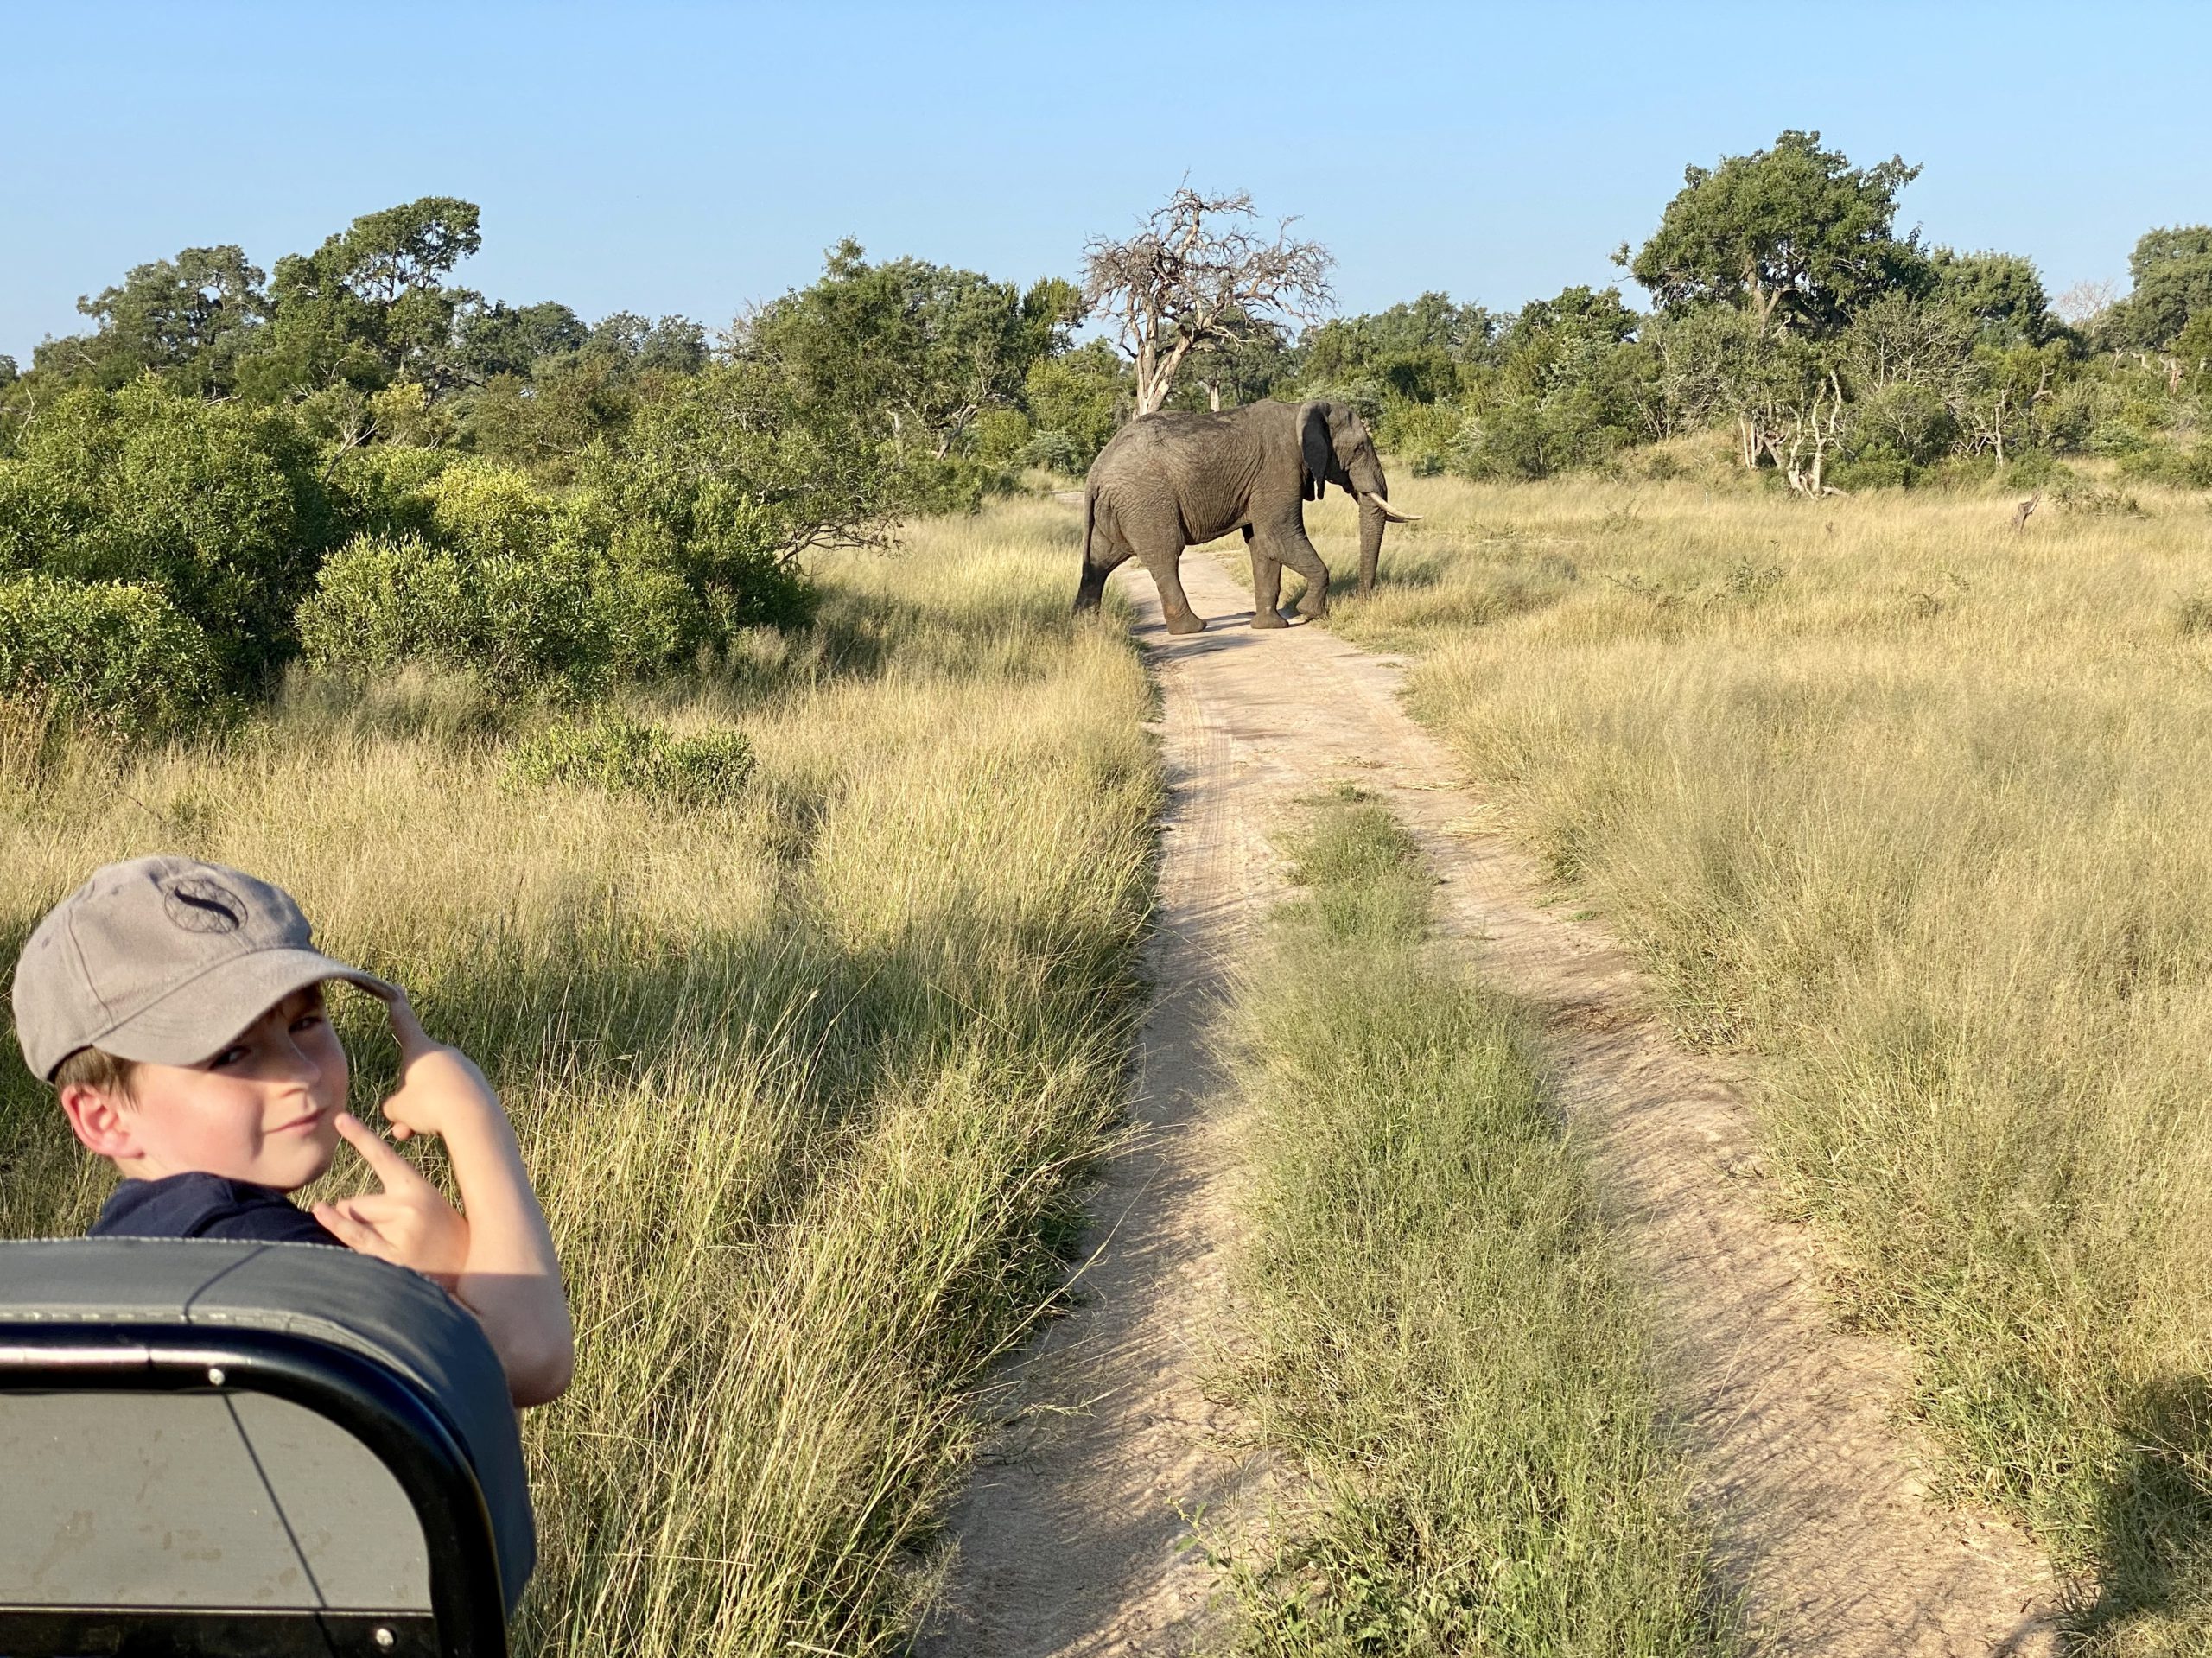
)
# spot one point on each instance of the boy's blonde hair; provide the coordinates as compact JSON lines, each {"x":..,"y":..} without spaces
{"x":90,"y":1068}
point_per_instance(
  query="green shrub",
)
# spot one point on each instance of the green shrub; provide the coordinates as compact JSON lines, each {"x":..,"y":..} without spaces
{"x":620,"y":757}
{"x":2168,"y":462}
{"x":380,"y":490}
{"x":999,"y":436}
{"x":512,"y":583}
{"x":560,"y":614}
{"x":733,"y":477}
{"x":119,"y":658}
{"x":1422,"y":432}
{"x":1079,"y":394}
{"x":1874,"y":465}
{"x":2078,"y":494}
{"x":221,"y":506}
{"x":1054,"y":452}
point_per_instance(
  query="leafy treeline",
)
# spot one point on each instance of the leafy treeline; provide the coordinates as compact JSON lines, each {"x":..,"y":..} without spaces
{"x":357,"y":461}
{"x":354,"y":459}
{"x":1790,"y":312}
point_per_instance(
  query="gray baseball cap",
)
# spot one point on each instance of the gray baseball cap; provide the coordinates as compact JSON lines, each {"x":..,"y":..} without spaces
{"x":163,"y":960}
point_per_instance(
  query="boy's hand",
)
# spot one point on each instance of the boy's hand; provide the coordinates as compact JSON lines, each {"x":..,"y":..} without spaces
{"x":435,"y":1080}
{"x":409,"y":1222}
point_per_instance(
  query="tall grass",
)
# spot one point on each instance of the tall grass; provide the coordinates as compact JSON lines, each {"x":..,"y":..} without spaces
{"x":803,"y":1079}
{"x":1918,"y":809}
{"x":1443,"y":1361}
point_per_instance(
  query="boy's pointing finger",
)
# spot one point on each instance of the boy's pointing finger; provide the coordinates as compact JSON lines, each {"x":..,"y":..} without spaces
{"x":405,"y":1025}
{"x":377,"y":1152}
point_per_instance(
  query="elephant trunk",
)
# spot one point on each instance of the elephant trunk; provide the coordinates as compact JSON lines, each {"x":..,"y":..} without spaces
{"x":1372,"y":516}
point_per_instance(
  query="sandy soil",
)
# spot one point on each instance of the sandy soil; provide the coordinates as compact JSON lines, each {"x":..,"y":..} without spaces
{"x":1071,"y":1538}
{"x":1075,"y":1537}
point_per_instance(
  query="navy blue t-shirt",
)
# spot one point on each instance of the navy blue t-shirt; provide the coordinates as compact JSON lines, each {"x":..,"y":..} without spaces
{"x":206,"y":1206}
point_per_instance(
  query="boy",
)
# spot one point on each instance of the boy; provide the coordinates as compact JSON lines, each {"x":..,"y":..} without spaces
{"x":177,"y":1006}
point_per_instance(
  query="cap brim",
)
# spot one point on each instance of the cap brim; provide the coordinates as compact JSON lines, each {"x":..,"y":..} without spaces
{"x":193,"y":1021}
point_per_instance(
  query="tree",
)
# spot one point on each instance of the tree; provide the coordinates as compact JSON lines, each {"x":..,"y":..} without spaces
{"x":1083,"y":396}
{"x":496,"y":338}
{"x":2172,"y":272}
{"x":2001,"y":293}
{"x":1796,"y":232}
{"x":739,"y":469}
{"x":186,"y":319}
{"x":367,"y":307}
{"x":2082,"y":306}
{"x":675,"y":344}
{"x":1572,"y":386}
{"x":919,"y":348}
{"x":1417,"y":348}
{"x":1242,"y":367}
{"x":1199,"y":273}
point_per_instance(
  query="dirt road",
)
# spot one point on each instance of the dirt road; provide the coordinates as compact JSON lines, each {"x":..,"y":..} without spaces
{"x":1070,"y":1539}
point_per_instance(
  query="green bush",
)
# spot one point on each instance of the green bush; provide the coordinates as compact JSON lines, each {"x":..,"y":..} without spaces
{"x":510,"y":582}
{"x":619,"y":756}
{"x":730,"y":477}
{"x":1080,"y":394}
{"x":222,"y":507}
{"x":1422,"y":432}
{"x":559,"y":614}
{"x":1054,"y":452}
{"x":999,"y":436}
{"x":106,"y":654}
{"x":2077,"y":494}
{"x":381,"y":490}
{"x":2169,"y":462}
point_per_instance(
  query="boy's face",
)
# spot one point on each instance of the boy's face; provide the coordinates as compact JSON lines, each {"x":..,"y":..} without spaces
{"x":264,"y":1109}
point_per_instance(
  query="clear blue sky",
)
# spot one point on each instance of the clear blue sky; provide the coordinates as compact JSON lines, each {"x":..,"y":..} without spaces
{"x":658,"y":158}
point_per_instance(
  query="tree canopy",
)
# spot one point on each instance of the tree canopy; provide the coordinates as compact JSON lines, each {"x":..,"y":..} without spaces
{"x":1796,"y":232}
{"x":924,"y":348}
{"x":2172,"y":271}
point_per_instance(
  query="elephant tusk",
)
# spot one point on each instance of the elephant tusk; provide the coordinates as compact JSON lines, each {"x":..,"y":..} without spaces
{"x":1385,"y":508}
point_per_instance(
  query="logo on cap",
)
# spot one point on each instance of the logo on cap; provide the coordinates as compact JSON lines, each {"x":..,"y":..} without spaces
{"x":198,"y":904}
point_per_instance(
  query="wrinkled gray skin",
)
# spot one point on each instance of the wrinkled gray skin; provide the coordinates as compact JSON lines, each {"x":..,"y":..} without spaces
{"x":1170,"y":481}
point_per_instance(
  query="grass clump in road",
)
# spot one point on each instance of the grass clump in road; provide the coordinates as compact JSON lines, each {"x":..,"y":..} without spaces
{"x":1442,"y":1361}
{"x":803,"y":1070}
{"x":1922,"y":821}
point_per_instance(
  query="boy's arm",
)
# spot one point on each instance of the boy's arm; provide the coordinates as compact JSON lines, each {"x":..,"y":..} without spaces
{"x":504,"y":1269}
{"x":510,"y":1280}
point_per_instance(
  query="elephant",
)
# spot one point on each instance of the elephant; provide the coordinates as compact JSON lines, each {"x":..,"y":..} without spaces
{"x":1168,"y":481}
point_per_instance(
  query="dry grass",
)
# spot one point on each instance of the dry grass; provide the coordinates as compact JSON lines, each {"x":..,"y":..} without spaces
{"x":804,"y":1080}
{"x":1919,"y":809}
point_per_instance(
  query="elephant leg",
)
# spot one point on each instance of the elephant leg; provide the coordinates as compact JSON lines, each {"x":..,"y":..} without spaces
{"x":1105,"y":555}
{"x":1297,"y":552}
{"x":1267,"y":583}
{"x":1166,"y":575}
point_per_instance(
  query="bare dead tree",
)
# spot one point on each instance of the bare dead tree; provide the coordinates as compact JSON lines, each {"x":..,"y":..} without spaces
{"x":2086,"y":300}
{"x":1812,"y":429}
{"x":1199,"y":272}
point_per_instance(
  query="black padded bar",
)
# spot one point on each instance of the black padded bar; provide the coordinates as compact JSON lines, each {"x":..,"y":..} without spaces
{"x":154,"y":1632}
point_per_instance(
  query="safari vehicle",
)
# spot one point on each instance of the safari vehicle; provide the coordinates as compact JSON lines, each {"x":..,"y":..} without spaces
{"x":250,"y":1450}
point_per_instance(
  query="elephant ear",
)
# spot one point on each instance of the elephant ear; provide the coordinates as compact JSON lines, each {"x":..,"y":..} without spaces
{"x":1313,"y":444}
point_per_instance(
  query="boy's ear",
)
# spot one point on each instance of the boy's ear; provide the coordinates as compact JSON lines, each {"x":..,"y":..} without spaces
{"x":96,"y":1118}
